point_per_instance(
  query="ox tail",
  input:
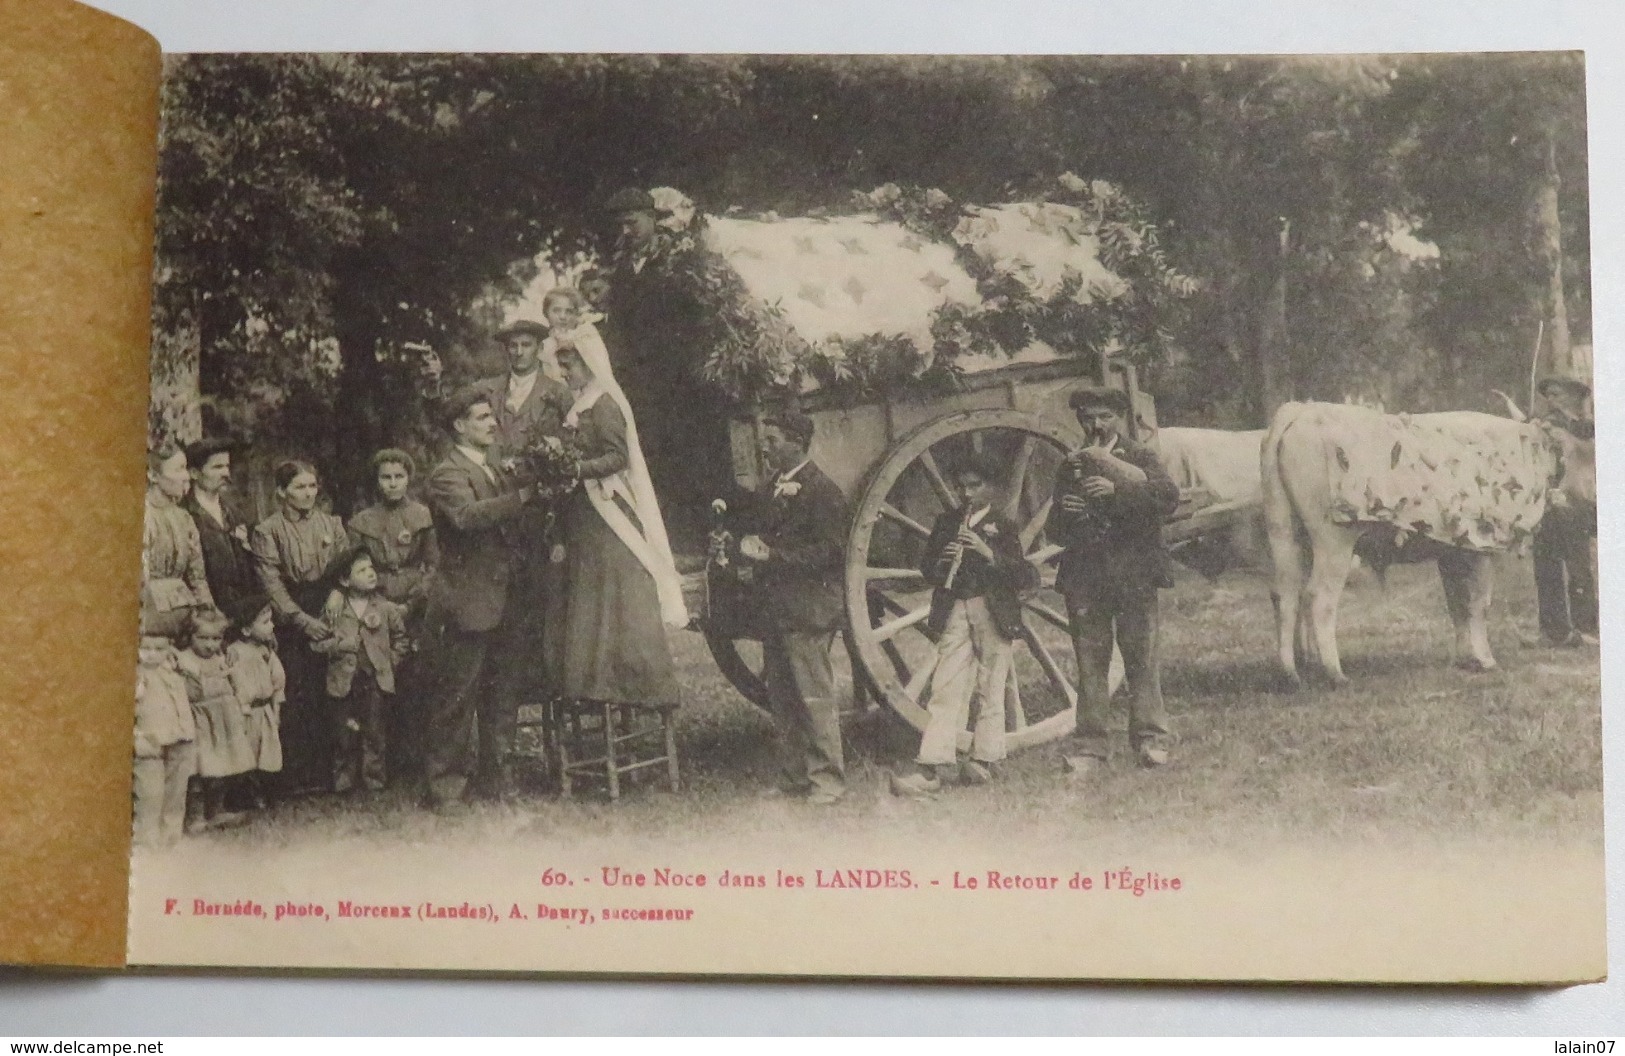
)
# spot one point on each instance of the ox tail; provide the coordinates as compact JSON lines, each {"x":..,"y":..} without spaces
{"x":1288,"y":550}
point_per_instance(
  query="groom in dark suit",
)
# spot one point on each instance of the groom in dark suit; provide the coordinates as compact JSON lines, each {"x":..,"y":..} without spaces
{"x":476,"y":508}
{"x":801,"y":555}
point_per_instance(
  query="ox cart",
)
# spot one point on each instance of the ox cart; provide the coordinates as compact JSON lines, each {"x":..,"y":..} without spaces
{"x":891,"y":457}
{"x":821,"y":298}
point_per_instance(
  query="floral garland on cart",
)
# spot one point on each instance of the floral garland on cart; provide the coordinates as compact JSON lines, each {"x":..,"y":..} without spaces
{"x":756,"y":353}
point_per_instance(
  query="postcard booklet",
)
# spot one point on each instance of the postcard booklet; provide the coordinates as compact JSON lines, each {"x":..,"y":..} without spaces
{"x":1033,"y":517}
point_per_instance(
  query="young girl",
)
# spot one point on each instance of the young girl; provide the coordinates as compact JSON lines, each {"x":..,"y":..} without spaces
{"x":399,"y":534}
{"x":165,"y":757}
{"x":261,"y":688}
{"x":222,"y":735}
{"x":570,"y":322}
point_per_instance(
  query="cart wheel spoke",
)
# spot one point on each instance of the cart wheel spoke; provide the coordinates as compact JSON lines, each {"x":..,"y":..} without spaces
{"x":939,"y":483}
{"x":1017,"y":486}
{"x":1048,"y":614}
{"x":922,"y":680}
{"x":1041,"y":653}
{"x":892,"y":513}
{"x":900,"y":665}
{"x":1015,"y":716}
{"x":891,"y":629}
{"x":894,"y":573}
{"x":1044,"y":554}
{"x":1035,"y":524}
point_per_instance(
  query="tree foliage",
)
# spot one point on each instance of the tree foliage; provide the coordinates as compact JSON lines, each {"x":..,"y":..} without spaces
{"x":323,"y":217}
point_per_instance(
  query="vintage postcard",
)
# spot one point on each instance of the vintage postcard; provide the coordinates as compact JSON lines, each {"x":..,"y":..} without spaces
{"x":1045,"y":517}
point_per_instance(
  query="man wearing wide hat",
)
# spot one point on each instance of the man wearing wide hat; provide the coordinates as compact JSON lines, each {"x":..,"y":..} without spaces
{"x":527,"y":403}
{"x":1565,"y":577}
{"x":1112,"y":497}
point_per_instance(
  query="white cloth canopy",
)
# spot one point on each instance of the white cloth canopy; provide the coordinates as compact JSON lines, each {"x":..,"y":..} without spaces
{"x":845,"y":277}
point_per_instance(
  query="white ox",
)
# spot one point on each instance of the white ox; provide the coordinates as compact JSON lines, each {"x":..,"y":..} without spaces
{"x":1456,"y":487}
{"x":1221,"y":467}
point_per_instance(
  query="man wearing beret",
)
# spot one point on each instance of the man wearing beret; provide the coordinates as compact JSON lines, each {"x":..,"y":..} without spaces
{"x":1565,"y":579}
{"x":1112,"y":498}
{"x":658,"y":342}
{"x":800,"y":552}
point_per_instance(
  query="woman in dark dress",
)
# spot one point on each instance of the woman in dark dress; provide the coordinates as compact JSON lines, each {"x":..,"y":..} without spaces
{"x":295,"y":548}
{"x":618,"y":588}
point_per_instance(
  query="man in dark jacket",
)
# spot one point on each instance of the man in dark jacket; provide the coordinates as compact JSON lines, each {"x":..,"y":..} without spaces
{"x":1112,"y":498}
{"x":658,"y":334}
{"x":800,"y":553}
{"x":975,"y":566}
{"x":528,"y":405}
{"x":476,"y":507}
{"x":221,"y":527}
{"x":1565,"y":578}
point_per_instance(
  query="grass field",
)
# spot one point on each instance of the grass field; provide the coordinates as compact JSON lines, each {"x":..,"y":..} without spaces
{"x":1412,"y":750}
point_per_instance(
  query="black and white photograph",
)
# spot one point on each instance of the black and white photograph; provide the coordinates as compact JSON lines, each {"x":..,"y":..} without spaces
{"x":1030,"y":517}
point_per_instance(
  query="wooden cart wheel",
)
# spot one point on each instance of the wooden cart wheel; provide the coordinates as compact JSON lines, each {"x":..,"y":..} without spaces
{"x":886,"y":596}
{"x":740,"y":661}
{"x":744,"y":672}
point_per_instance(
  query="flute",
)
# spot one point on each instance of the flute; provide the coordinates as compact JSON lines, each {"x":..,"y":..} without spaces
{"x":959,"y":555}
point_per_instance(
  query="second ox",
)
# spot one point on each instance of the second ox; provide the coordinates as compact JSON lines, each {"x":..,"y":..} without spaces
{"x":1457,"y":487}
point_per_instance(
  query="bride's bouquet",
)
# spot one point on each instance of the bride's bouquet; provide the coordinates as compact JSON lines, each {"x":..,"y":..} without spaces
{"x":550,"y":464}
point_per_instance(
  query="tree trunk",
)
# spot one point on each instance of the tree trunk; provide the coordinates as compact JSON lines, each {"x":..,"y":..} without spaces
{"x":356,"y":429}
{"x":1274,"y":354}
{"x":1558,"y":357}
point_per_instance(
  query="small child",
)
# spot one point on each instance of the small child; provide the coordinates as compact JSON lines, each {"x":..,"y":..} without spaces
{"x":165,"y":755}
{"x":570,"y":322}
{"x":222,"y":735}
{"x":398,"y":532}
{"x":975,"y":564}
{"x":369,"y":639}
{"x":261,"y":687}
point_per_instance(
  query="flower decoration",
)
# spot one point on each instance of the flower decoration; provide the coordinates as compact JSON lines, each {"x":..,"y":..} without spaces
{"x":550,"y":464}
{"x":372,"y":620}
{"x":786,"y":488}
{"x":677,"y":207}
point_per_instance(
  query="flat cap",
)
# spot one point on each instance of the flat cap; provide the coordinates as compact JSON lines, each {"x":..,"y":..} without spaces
{"x":200,"y":451}
{"x":522,"y":326}
{"x":1559,"y":381}
{"x":1099,"y":396}
{"x":629,"y":200}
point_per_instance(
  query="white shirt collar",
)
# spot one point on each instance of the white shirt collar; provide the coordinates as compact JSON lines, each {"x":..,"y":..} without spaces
{"x":210,"y":504}
{"x":976,"y":518}
{"x":474,"y":455}
{"x":784,"y":478}
{"x":520,"y":387}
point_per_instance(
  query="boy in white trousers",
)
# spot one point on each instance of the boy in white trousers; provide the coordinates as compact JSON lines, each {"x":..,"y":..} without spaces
{"x":975,"y":564}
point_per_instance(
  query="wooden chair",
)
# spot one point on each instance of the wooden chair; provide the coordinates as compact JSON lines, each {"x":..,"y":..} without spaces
{"x":597,"y":741}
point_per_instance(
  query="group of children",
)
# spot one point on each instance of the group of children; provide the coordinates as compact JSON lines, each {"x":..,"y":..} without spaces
{"x":210,"y":695}
{"x":207,"y":719}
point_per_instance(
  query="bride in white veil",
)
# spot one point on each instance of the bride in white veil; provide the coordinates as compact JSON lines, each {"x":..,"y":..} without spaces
{"x":564,"y":309}
{"x":617,"y":583}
